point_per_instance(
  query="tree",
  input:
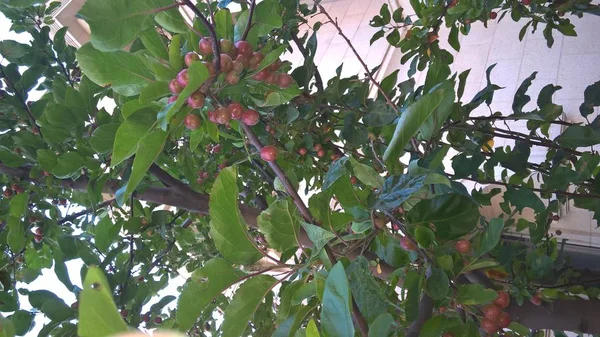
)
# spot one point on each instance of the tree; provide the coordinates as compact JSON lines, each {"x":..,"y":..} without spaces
{"x":210,"y":122}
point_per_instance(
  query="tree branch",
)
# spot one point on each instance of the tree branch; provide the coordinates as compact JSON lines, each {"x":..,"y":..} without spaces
{"x":249,"y":24}
{"x":74,"y":216}
{"x":425,"y":310}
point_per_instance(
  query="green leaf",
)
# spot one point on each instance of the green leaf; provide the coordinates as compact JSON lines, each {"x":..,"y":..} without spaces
{"x":106,"y":232}
{"x":434,"y":326}
{"x":98,"y":315}
{"x":524,"y":197}
{"x":336,"y":171}
{"x":578,"y":136}
{"x":10,"y":158}
{"x":381,"y":326}
{"x":521,"y":98}
{"x":381,"y":114}
{"x":445,"y":262}
{"x":388,"y":249}
{"x":22,"y":321}
{"x":366,"y":292}
{"x":129,"y":134}
{"x":198,"y":74}
{"x":69,"y":165}
{"x":412,"y":286}
{"x":205,"y":285}
{"x":13,"y":50}
{"x":103,"y":138}
{"x":453,"y":38}
{"x":398,"y":189}
{"x":366,"y":174}
{"x":18,"y":205}
{"x":16,"y":235}
{"x":172,"y":21}
{"x":437,"y":284}
{"x":591,"y":99}
{"x":174,"y":53}
{"x":227,"y":226}
{"x":126,"y":73}
{"x":319,"y":236}
{"x":148,"y":150}
{"x":411,"y":120}
{"x":311,"y":329}
{"x":154,"y":91}
{"x":491,"y":236}
{"x":452,"y":215}
{"x":479,"y":264}
{"x":519,"y":328}
{"x":475,"y":294}
{"x":335,"y":313}
{"x":424,"y":236}
{"x":114,"y":24}
{"x":224,"y":24}
{"x":244,"y":303}
{"x":279,"y":223}
{"x":462,"y":82}
{"x":154,"y":43}
{"x":270,"y":58}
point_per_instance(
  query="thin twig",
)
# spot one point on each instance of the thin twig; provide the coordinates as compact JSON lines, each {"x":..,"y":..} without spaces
{"x":84,"y":212}
{"x":249,"y":24}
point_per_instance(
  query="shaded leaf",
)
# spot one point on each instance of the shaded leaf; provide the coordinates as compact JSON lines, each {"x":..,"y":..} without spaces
{"x":336,"y":319}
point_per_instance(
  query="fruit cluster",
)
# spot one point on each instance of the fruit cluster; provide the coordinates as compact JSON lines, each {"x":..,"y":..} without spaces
{"x":494,"y":317}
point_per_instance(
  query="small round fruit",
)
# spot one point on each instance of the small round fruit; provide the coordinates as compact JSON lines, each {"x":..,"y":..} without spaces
{"x":238,"y":67}
{"x":493,"y":15}
{"x":250,"y":117}
{"x":262,"y":75}
{"x":140,"y":279}
{"x":212,"y":116}
{"x":503,"y":320}
{"x":408,"y":244}
{"x":237,"y":110}
{"x":488,"y":326}
{"x":321,"y":153}
{"x":157,"y":320}
{"x":503,"y":299}
{"x":38,"y":238}
{"x":39,"y":231}
{"x":244,"y":48}
{"x":8,"y":193}
{"x":204,"y":175}
{"x":175,"y":87}
{"x":183,"y":77}
{"x":491,"y":311}
{"x":172,"y":99}
{"x":205,"y":46}
{"x":268,"y":153}
{"x":526,"y":2}
{"x":273,"y":79}
{"x":226,"y":63}
{"x":318,"y":147}
{"x":124,"y":313}
{"x":232,"y":77}
{"x":536,"y":299}
{"x":222,"y":115}
{"x":284,"y":81}
{"x":558,"y":232}
{"x":256,"y":59}
{"x":226,"y":45}
{"x":353,"y":180}
{"x":275,"y":65}
{"x":146,"y":317}
{"x":222,"y":166}
{"x":75,"y":305}
{"x":555,"y":217}
{"x":245,"y":61}
{"x":442,"y":310}
{"x":463,"y":246}
{"x":196,"y":100}
{"x":302,"y":151}
{"x":192,"y":122}
{"x":62,"y":202}
{"x":217,"y":148}
{"x":212,"y":71}
{"x":191,"y":57}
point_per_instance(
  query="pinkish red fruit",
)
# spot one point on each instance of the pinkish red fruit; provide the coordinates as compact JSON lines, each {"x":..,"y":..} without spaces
{"x":175,"y":87}
{"x":223,"y":115}
{"x":196,"y":100}
{"x":284,"y":81}
{"x":237,"y":110}
{"x":191,"y":57}
{"x":205,"y":46}
{"x":250,"y":117}
{"x":183,"y":78}
{"x":268,"y":153}
{"x":244,"y":48}
{"x":192,"y":122}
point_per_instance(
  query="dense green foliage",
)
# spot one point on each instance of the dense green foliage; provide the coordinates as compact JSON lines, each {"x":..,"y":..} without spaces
{"x":86,"y":184}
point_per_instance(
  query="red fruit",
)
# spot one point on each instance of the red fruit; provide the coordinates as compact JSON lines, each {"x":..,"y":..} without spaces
{"x":172,"y":99}
{"x":238,"y":67}
{"x":157,"y":320}
{"x":38,"y":238}
{"x":226,"y":63}
{"x":210,"y":67}
{"x":146,"y":317}
{"x":488,"y":326}
{"x":256,"y":59}
{"x":503,"y":299}
{"x":526,"y":2}
{"x":245,"y":61}
{"x":217,"y":148}
{"x":191,"y":57}
{"x":212,"y":116}
{"x":46,"y":174}
{"x":448,"y":334}
{"x":318,"y":147}
{"x":223,"y":115}
{"x":244,"y":48}
{"x":302,"y":151}
{"x":555,"y":217}
{"x":209,"y":148}
{"x":124,"y":313}
{"x":493,"y":15}
{"x":183,"y":78}
{"x":503,"y":320}
{"x":443,"y":310}
{"x":491,"y":311}
{"x":463,"y":246}
{"x":205,"y":175}
{"x":226,"y":45}
{"x":284,"y":81}
{"x":268,"y":153}
{"x":222,"y":166}
{"x":175,"y":87}
{"x":205,"y":46}
{"x":8,"y":193}
{"x":39,"y":231}
{"x":558,"y":232}
{"x":408,"y":244}
{"x":250,"y":117}
{"x":273,"y":79}
{"x":199,"y":181}
{"x":353,"y":180}
{"x":321,"y":153}
{"x":262,"y":75}
{"x":62,"y":202}
{"x":275,"y":65}
{"x":232,"y":77}
{"x":75,"y":305}
{"x":192,"y":122}
{"x":196,"y":100}
{"x":536,"y":299}
{"x":237,"y":110}
{"x":140,"y":279}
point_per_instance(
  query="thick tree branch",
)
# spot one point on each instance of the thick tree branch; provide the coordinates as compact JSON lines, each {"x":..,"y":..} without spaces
{"x":425,"y":310}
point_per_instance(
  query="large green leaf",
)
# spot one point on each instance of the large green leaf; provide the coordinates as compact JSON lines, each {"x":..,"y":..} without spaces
{"x":18,"y":205}
{"x":227,"y":226}
{"x":224,"y":24}
{"x":244,"y":303}
{"x":475,"y":294}
{"x":491,"y":236}
{"x":366,"y":174}
{"x":381,"y":326}
{"x":126,"y":73}
{"x":366,"y":292}
{"x":439,"y":102}
{"x":279,"y":223}
{"x":114,"y":23}
{"x":16,"y":234}
{"x":103,"y":138}
{"x":130,"y":132}
{"x":398,"y":189}
{"x":205,"y":285}
{"x":578,"y":136}
{"x":106,"y":232}
{"x":319,"y":236}
{"x":13,"y":50}
{"x":336,"y":319}
{"x":452,"y":215}
{"x":98,"y":315}
{"x":524,"y":197}
{"x":336,"y":170}
{"x":68,"y":165}
{"x":437,"y":284}
{"x":23,"y":322}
